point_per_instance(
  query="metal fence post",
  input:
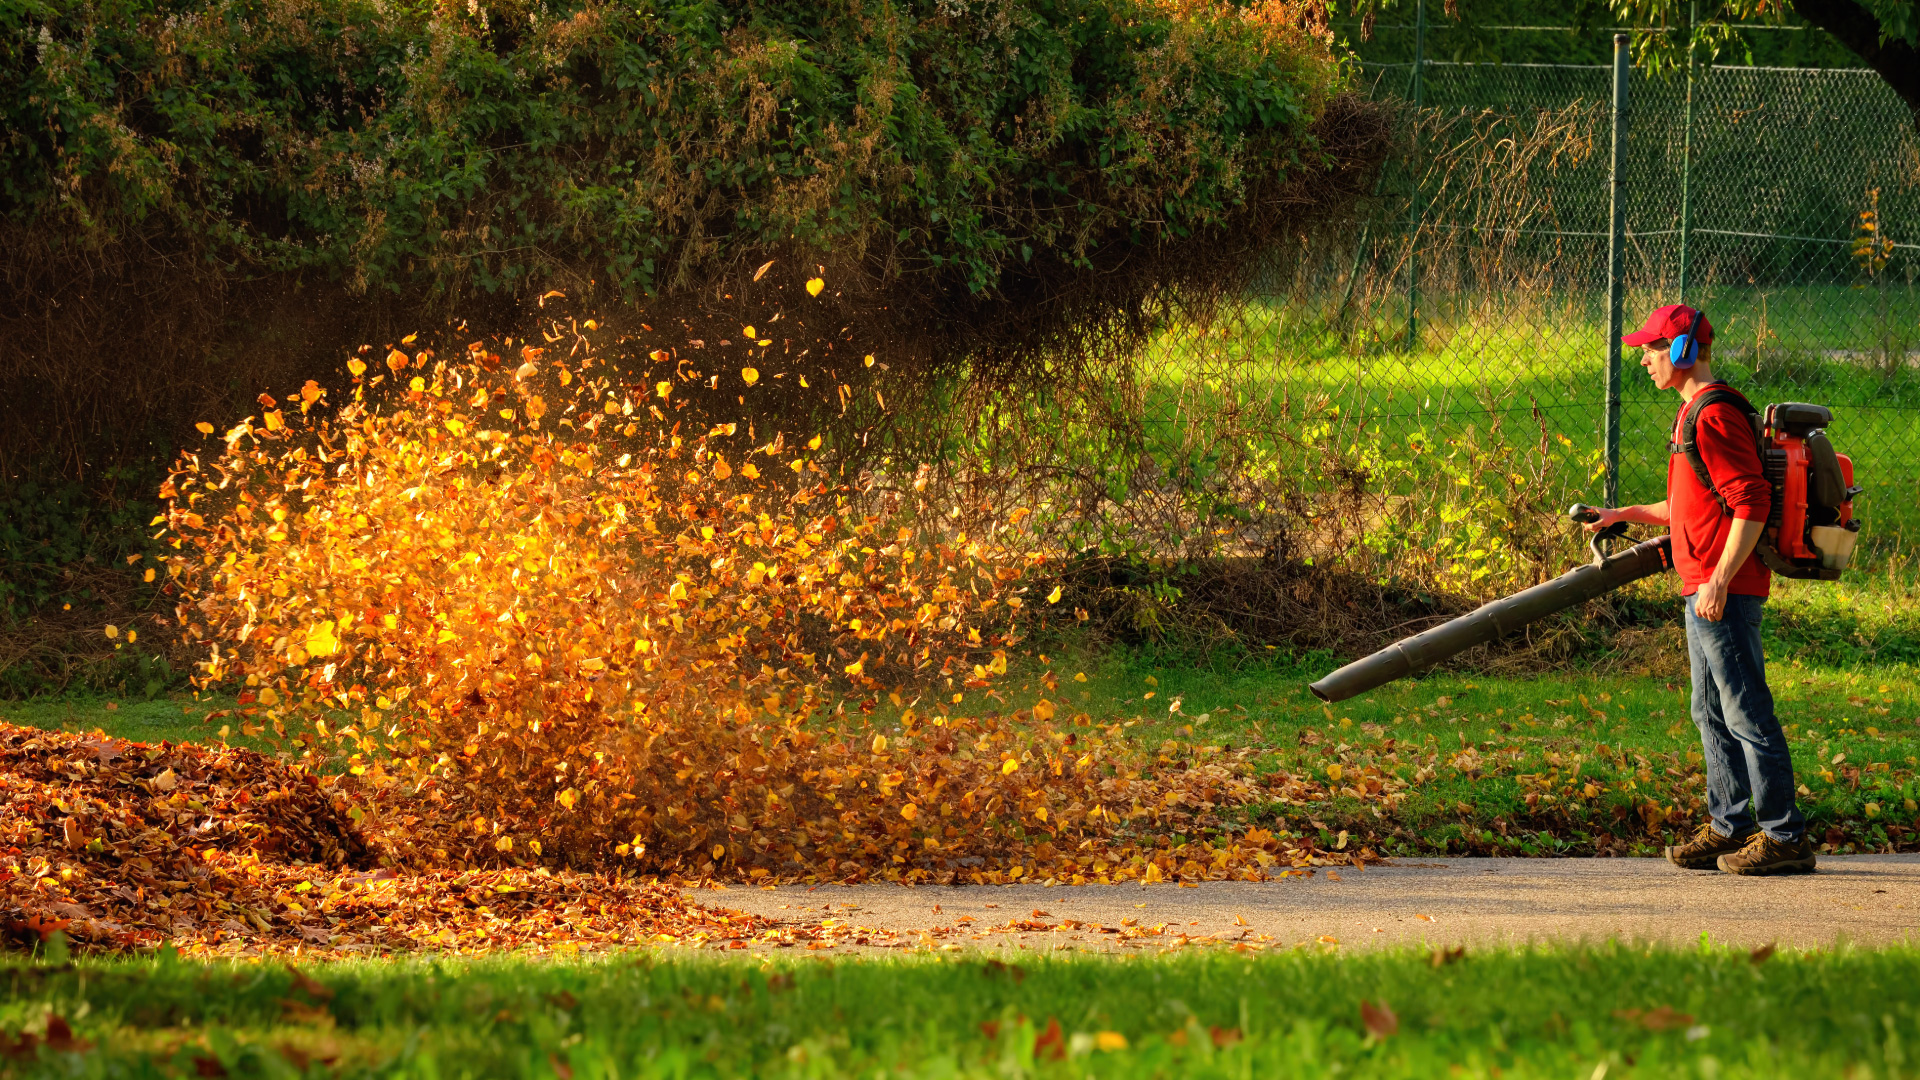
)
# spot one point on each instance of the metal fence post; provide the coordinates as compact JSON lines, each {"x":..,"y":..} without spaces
{"x":1616,"y":264}
{"x":1413,"y":232}
{"x":1686,"y":160}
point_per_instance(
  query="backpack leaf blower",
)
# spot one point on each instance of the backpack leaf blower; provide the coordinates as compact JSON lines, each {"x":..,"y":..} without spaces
{"x":1810,"y":535}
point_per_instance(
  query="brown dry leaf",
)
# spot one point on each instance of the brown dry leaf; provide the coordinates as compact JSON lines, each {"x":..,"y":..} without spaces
{"x":1051,"y":1045}
{"x":1762,"y":954}
{"x":1659,"y":1018}
{"x":1378,"y":1019}
{"x":1442,"y":957}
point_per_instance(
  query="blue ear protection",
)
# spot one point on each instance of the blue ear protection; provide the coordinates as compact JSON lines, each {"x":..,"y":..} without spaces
{"x":1686,"y":348}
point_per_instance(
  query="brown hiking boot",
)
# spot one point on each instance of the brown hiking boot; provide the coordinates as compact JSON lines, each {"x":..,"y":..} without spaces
{"x":1704,"y":850}
{"x":1765,"y":855}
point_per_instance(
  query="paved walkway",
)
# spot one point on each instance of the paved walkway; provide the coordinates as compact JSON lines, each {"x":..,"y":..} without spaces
{"x":1864,"y":899}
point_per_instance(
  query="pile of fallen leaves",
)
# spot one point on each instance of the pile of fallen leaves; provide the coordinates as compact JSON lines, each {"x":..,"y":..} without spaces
{"x":122,"y":845}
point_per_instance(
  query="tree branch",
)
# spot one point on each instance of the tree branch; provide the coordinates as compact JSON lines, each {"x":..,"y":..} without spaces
{"x":1896,"y":61}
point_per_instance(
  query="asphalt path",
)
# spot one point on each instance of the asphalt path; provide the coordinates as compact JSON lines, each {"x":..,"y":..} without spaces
{"x":1434,"y":903}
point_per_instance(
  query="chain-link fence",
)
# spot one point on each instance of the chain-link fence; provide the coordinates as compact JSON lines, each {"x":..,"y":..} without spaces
{"x":1784,"y":202}
{"x":1774,"y":199}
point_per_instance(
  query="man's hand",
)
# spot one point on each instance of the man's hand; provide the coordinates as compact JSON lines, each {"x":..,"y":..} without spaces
{"x":1710,"y":601}
{"x":1607,"y":516}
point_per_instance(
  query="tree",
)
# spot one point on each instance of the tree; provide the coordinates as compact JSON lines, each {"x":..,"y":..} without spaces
{"x":1883,"y":33}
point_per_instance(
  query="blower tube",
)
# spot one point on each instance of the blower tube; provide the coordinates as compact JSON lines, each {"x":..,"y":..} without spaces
{"x":1501,"y":617}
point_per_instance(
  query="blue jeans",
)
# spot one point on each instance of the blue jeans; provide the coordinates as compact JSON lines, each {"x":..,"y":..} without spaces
{"x":1749,"y":773}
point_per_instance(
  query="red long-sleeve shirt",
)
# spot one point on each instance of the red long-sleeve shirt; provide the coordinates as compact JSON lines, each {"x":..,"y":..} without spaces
{"x":1700,"y":527}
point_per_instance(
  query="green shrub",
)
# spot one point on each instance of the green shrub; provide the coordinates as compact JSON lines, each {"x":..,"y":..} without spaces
{"x":490,"y":147}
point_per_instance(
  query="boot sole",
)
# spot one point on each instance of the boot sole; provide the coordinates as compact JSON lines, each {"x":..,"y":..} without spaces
{"x":1795,"y":866}
{"x":1698,"y":862}
{"x":1704,"y":862}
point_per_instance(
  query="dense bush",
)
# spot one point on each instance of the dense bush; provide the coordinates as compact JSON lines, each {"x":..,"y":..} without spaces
{"x":472,"y":146}
{"x":204,"y":199}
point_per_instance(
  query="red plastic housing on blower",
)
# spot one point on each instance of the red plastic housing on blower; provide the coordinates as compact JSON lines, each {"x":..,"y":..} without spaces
{"x":1812,"y":488}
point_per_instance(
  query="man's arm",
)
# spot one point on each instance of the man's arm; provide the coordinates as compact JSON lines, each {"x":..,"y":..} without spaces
{"x":1710,"y":601}
{"x":1648,"y":514}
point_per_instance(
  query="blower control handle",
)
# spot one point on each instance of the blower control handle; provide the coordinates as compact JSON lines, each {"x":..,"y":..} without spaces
{"x":1585,"y":514}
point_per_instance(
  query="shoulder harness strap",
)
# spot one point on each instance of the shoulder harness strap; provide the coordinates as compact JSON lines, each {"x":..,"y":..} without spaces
{"x":1689,"y":443}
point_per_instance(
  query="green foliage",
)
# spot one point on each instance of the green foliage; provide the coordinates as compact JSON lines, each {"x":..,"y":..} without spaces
{"x":501,"y":147}
{"x":63,"y":544}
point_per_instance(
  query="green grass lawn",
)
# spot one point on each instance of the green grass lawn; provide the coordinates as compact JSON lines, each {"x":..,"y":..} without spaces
{"x":1590,"y":1012}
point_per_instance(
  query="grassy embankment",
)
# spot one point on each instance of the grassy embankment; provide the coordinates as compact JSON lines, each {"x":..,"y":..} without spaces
{"x":1585,"y":1013}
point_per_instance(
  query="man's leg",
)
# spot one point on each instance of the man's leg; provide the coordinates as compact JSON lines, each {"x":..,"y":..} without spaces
{"x":1731,"y":649}
{"x":1729,"y":796}
{"x":1729,"y":792}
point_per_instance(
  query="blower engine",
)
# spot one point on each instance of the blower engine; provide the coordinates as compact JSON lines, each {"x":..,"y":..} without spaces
{"x":1811,"y":531}
{"x":1810,"y":535}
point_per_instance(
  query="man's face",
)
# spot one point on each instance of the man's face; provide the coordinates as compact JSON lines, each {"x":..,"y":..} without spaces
{"x":1657,"y":358}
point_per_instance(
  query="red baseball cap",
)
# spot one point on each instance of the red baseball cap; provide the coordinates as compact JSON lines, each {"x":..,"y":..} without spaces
{"x":1670,"y":322}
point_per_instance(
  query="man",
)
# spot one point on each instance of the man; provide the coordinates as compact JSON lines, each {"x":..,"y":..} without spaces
{"x":1755,"y":826}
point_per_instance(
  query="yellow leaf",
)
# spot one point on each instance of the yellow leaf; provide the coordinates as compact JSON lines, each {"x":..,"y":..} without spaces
{"x":750,"y":375}
{"x":357,"y":366}
{"x":204,"y":427}
{"x":505,"y":843}
{"x":417,"y":384}
{"x":274,"y":421}
{"x":1054,"y":596}
{"x":1008,"y":766}
{"x":149,"y":574}
{"x":1334,"y":772}
{"x":748,"y":332}
{"x":1043,"y":710}
{"x":750,"y":471}
{"x":813,"y":443}
{"x":814,"y":285}
{"x":113,"y":631}
{"x":321,"y":640}
{"x":910,"y":811}
{"x":269,"y":696}
{"x":869,"y":359}
{"x":857,"y":667}
{"x":536,"y":407}
{"x":396,"y":360}
{"x":662,"y":388}
{"x":879,"y":744}
{"x":1154,"y":873}
{"x":567,"y":798}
